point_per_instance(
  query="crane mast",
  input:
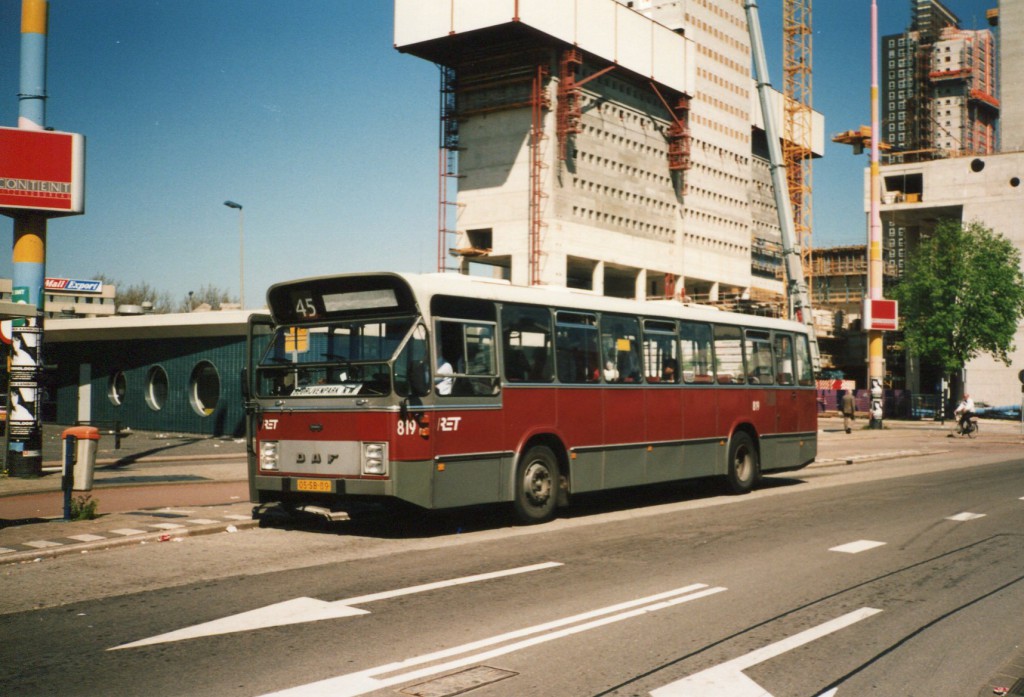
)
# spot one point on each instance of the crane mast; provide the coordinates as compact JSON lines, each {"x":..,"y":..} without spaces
{"x":796,"y":286}
{"x":797,"y":75}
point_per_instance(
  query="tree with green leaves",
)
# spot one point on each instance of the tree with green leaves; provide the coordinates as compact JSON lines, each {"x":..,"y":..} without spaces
{"x":961,"y":295}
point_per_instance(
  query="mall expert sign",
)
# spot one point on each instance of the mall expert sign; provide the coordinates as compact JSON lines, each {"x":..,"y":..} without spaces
{"x":42,"y":171}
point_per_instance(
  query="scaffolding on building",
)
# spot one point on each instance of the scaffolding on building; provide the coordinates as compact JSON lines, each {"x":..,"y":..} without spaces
{"x":447,"y":207}
{"x":540,"y":104}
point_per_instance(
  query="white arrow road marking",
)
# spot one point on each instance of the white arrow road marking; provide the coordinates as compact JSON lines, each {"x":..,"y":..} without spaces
{"x":365,"y":681}
{"x":727,"y":678}
{"x":299,"y":610}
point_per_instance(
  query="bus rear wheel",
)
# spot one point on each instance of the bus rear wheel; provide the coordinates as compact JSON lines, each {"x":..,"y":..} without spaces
{"x":536,"y":486}
{"x":743,"y":464}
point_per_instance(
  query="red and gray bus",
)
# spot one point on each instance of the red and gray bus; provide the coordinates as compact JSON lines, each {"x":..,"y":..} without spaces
{"x":442,"y":390}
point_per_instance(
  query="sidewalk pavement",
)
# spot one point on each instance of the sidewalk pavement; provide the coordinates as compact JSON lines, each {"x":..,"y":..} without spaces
{"x":156,"y":487}
{"x":162,"y":487}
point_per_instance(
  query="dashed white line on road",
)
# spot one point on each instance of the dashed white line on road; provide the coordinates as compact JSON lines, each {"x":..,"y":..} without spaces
{"x":962,"y":517}
{"x":856,"y":547}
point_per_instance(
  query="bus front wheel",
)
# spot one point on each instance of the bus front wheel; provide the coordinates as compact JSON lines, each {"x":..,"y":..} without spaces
{"x":743,"y":463}
{"x":536,"y":485}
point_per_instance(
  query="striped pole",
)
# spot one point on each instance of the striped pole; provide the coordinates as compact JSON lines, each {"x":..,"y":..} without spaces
{"x":876,"y":357}
{"x":24,"y":457}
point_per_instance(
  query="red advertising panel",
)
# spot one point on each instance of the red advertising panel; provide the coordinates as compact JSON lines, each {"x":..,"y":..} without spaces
{"x":41,"y":171}
{"x":881,"y":315}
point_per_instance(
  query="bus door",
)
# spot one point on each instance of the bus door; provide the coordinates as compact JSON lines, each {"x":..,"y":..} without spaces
{"x":788,"y":412}
{"x":470,"y":464}
{"x":625,"y":410}
{"x":700,"y":399}
{"x":664,"y":400}
{"x":580,"y":406}
{"x":766,"y":405}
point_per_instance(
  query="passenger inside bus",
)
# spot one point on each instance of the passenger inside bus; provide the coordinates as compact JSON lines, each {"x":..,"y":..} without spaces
{"x":669,"y":370}
{"x":445,"y":381}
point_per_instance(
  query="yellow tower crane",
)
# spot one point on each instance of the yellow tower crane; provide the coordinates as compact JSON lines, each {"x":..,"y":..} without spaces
{"x":797,"y":129}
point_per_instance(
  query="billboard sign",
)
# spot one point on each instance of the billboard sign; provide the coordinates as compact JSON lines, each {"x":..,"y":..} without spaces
{"x":881,"y":315}
{"x":42,"y":171}
{"x":71,"y":286}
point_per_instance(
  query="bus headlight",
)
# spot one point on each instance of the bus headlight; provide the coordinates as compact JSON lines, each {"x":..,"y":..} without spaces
{"x":375,"y":458}
{"x":268,"y":455}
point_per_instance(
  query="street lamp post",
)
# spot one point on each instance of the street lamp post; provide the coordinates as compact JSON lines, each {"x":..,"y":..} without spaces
{"x":241,"y":252}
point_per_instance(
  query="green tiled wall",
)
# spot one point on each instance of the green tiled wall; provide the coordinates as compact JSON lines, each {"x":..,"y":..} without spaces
{"x":178,"y":358}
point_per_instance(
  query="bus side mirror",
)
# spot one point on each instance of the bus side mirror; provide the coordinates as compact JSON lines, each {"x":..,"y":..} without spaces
{"x":419,"y":378}
{"x":246,"y":392}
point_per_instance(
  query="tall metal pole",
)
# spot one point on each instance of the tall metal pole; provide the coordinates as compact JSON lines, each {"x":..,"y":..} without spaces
{"x":241,"y":251}
{"x":29,"y":263}
{"x":876,"y":360}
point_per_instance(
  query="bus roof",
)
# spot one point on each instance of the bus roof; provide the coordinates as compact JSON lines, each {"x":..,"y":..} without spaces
{"x":426,"y":286}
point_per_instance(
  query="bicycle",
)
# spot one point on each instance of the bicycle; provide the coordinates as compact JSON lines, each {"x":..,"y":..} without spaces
{"x":969,"y":429}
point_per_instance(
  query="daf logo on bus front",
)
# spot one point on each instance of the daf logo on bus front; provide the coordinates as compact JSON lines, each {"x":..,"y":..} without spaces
{"x":317,"y":458}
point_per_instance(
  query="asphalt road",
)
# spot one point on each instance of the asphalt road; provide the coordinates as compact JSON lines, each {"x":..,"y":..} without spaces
{"x":898,"y":577}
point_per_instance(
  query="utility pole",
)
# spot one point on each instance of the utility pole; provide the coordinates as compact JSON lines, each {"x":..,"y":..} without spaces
{"x":42,"y":175}
{"x":25,"y":457}
{"x":876,"y":359}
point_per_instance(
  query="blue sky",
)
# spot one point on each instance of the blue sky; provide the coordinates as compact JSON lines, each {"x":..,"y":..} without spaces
{"x":304,"y":113}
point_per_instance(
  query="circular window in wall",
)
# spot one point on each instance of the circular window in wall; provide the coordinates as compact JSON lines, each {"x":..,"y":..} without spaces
{"x":116,"y":388}
{"x":156,"y":388}
{"x":204,"y":388}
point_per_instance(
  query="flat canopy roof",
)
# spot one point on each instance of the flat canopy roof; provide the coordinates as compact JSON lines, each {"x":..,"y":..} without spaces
{"x":433,"y":29}
{"x":9,"y":310}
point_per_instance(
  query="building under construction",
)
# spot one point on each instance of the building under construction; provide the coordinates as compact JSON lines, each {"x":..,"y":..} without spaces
{"x":938,"y":87}
{"x":970,"y":178}
{"x":615,"y":147}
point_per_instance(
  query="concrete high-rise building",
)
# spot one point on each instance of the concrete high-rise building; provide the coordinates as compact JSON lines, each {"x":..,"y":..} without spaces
{"x":968,"y":185}
{"x":1011,"y":86}
{"x":938,"y":89}
{"x":609,"y":146}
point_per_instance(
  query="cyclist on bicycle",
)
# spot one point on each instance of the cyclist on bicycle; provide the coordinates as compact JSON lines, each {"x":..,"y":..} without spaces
{"x":964,"y":411}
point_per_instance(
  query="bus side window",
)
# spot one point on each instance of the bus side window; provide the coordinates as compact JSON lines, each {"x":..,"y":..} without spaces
{"x":758,"y":349}
{"x":576,"y":348}
{"x":465,"y":360}
{"x":804,"y":371}
{"x":784,"y":359}
{"x":729,"y":355}
{"x":661,"y":362}
{"x":526,"y":343}
{"x":696,"y":354}
{"x":620,"y":338}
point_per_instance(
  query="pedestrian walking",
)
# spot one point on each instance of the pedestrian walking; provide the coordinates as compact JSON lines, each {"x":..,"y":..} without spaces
{"x":849,"y":409}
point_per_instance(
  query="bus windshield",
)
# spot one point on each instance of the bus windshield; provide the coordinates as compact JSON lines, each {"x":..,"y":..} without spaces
{"x":333,"y":359}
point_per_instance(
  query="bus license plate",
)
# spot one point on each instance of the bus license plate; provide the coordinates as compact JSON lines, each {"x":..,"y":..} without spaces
{"x":312,"y":485}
